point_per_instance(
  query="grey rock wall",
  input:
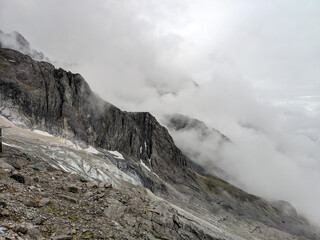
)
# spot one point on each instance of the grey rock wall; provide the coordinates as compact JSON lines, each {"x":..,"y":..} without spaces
{"x":62,"y":103}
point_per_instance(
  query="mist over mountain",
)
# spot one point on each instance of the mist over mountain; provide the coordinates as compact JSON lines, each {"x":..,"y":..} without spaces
{"x":248,"y":70}
{"x":17,"y":42}
{"x":198,"y":142}
{"x":36,"y":95}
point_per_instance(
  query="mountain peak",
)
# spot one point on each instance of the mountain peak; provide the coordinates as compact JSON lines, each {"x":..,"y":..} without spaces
{"x":16,"y":41}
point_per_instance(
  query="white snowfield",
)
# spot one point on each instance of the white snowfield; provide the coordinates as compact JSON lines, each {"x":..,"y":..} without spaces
{"x":116,"y":154}
{"x":145,"y":166}
{"x":42,"y":133}
{"x":91,"y":149}
{"x":65,"y":155}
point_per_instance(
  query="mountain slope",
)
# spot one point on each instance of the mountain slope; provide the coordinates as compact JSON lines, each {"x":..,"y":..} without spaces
{"x":40,"y":199}
{"x":62,"y":103}
{"x":197,"y":141}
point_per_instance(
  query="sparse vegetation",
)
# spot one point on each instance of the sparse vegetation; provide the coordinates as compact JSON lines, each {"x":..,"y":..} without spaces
{"x":73,"y":218}
{"x":219,"y":186}
{"x":52,"y":210}
{"x":87,"y":233}
{"x":4,"y":67}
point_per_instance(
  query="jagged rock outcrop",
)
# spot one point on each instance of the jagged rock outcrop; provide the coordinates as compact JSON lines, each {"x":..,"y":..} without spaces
{"x":63,"y":104}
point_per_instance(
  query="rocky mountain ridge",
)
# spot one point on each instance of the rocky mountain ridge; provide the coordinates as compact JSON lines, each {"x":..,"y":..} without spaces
{"x":17,"y":42}
{"x":62,"y":103}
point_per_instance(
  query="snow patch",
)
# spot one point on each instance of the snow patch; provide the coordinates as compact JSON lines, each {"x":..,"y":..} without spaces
{"x":42,"y":133}
{"x":68,"y":143}
{"x":145,"y":166}
{"x":156,"y":175}
{"x":11,"y":145}
{"x":91,"y":149}
{"x":140,"y":149}
{"x":116,"y":154}
{"x":7,"y":144}
{"x":62,"y":167}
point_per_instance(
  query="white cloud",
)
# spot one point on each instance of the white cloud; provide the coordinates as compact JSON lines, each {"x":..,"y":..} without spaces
{"x":254,"y":62}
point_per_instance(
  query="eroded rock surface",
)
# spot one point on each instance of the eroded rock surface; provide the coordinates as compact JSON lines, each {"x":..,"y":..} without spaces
{"x":62,"y":103}
{"x":53,"y":204}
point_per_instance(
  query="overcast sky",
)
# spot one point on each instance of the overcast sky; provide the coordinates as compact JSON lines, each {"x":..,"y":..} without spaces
{"x":249,"y":68}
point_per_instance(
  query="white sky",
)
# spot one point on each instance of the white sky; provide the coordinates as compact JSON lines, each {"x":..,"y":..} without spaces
{"x":257,"y":63}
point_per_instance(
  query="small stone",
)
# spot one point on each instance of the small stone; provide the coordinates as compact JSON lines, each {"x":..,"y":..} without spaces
{"x":60,"y":188}
{"x":32,"y":188}
{"x":5,"y":165}
{"x":18,"y":177}
{"x":5,"y":213}
{"x":34,"y":233}
{"x":38,"y":168}
{"x":3,"y":229}
{"x":3,"y":204}
{"x":39,"y":220}
{"x":70,"y":199}
{"x":73,"y":189}
{"x":91,"y":184}
{"x":44,"y":202}
{"x":36,"y":179}
{"x":98,"y":196}
{"x":62,"y":237}
{"x":16,"y":165}
{"x":30,"y":203}
{"x":22,"y":229}
{"x":82,"y":179}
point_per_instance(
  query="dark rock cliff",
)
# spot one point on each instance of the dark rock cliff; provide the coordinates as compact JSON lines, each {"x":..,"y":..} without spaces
{"x":62,"y":103}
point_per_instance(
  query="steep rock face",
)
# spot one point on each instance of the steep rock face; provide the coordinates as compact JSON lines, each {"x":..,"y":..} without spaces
{"x":62,"y":103}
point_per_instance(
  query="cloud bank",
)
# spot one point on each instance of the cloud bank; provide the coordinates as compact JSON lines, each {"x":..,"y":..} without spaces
{"x":249,"y":69}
